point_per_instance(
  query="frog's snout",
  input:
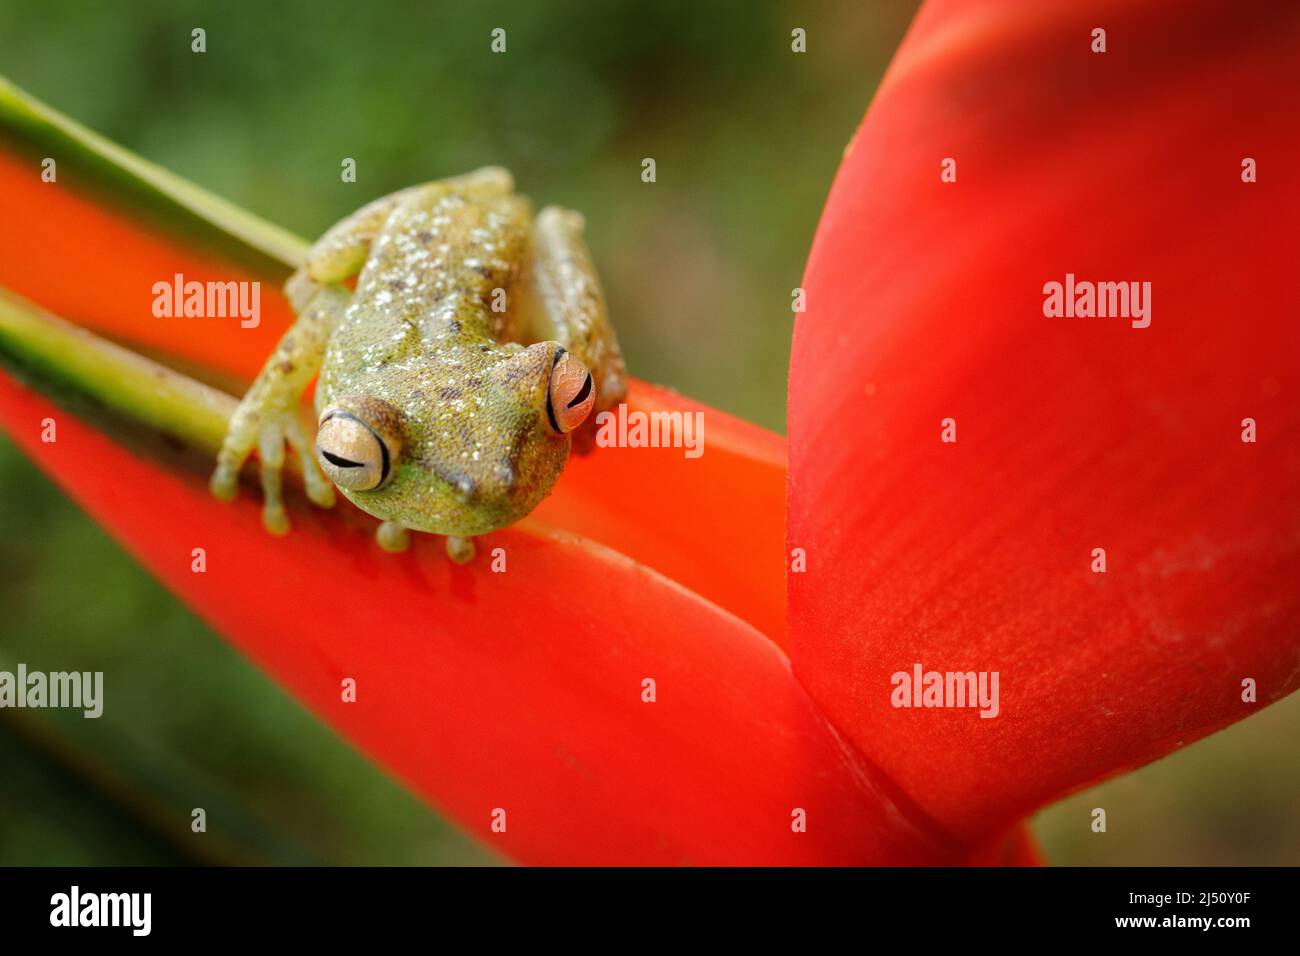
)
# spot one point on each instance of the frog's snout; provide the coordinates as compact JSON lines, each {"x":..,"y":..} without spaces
{"x":470,"y":491}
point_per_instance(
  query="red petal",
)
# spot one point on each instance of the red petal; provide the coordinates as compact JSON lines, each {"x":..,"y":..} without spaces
{"x":715,"y":524}
{"x":519,"y":690}
{"x":925,"y":301}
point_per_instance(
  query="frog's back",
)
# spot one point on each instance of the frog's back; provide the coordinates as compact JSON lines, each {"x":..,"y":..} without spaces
{"x":427,"y":291}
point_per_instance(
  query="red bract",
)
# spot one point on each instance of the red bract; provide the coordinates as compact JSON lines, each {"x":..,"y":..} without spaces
{"x":926,"y":302}
{"x":520,"y":691}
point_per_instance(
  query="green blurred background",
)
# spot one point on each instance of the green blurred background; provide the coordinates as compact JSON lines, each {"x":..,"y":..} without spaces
{"x":746,"y":136}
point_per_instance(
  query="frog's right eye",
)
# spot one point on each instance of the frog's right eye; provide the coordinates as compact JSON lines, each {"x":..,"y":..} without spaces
{"x":355,"y":456}
{"x":570,"y":393}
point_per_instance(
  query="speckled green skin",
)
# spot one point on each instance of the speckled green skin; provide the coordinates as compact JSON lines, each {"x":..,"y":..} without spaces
{"x":452,"y":278}
{"x":477,"y":450}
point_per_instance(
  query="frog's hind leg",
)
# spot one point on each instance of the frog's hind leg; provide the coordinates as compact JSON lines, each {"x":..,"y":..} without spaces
{"x":566,"y":304}
{"x":339,"y":254}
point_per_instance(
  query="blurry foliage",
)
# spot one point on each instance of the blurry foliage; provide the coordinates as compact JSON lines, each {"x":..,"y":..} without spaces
{"x":698,"y":268}
{"x":1232,"y":799}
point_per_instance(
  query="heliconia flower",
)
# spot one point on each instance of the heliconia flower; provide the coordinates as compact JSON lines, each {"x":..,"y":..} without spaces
{"x":1164,"y":160}
{"x":619,"y":690}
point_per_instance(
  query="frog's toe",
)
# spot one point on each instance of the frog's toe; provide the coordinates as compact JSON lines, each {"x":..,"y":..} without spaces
{"x":393,"y":537}
{"x":235,"y":450}
{"x":320,"y":490}
{"x":224,"y":483}
{"x":274,"y":518}
{"x":270,"y":448}
{"x":460,"y":550}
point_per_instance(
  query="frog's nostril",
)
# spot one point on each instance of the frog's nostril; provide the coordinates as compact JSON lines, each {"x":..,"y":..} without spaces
{"x":466,"y":490}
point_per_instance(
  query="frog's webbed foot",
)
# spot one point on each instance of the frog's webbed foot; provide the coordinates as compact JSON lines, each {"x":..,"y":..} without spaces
{"x":460,"y":550}
{"x":269,"y":431}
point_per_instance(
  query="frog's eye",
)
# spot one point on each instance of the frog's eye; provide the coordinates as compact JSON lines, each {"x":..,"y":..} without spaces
{"x":571,"y":393}
{"x":353,"y":454}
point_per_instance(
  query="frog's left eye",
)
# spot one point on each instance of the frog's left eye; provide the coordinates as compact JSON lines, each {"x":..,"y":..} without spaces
{"x":354,"y":455}
{"x":571,"y":393}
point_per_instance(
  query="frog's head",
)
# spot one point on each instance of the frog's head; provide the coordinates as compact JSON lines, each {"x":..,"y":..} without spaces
{"x":463,"y":458}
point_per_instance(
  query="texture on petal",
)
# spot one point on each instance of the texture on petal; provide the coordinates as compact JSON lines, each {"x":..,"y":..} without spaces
{"x":926,"y":302}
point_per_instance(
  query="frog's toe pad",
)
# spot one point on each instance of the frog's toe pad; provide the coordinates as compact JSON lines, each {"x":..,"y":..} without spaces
{"x":275,"y":519}
{"x":224,"y":483}
{"x":393,"y":537}
{"x":460,"y":550}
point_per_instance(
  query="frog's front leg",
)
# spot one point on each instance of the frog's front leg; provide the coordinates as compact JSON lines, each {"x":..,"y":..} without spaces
{"x":267,"y":417}
{"x":565,"y":303}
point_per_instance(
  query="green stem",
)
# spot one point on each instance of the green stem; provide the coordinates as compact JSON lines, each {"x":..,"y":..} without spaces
{"x":142,"y":188}
{"x":68,"y":357}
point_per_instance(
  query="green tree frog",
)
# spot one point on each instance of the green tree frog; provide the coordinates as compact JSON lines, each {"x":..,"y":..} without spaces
{"x":434,"y":413}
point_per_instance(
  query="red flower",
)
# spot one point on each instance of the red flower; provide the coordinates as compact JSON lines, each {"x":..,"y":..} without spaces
{"x":926,"y":303}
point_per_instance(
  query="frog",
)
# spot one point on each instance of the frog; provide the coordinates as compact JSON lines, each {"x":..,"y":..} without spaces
{"x":459,"y":345}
